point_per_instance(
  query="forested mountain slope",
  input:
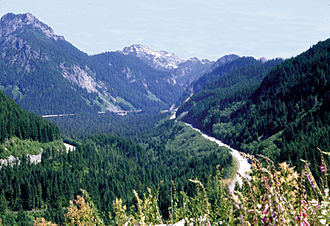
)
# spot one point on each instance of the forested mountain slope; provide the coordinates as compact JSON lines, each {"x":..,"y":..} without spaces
{"x":227,"y":84}
{"x":19,"y":123}
{"x":30,"y":58}
{"x":45,"y":74}
{"x":129,"y":77}
{"x":293,"y":103}
{"x":287,"y":117}
{"x":221,"y":66}
{"x":110,"y":167}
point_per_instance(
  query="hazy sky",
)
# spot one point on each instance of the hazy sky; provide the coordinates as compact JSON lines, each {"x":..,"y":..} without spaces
{"x":202,"y":28}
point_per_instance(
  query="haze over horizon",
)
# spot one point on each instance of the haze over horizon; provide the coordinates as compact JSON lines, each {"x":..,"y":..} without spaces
{"x":205,"y":29}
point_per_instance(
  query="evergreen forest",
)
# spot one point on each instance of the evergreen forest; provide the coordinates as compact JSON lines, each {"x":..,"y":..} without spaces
{"x":286,"y":118}
{"x":107,"y":139}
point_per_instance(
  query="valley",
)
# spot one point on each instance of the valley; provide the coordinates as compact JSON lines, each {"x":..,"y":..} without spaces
{"x":142,"y":136}
{"x":243,"y":165}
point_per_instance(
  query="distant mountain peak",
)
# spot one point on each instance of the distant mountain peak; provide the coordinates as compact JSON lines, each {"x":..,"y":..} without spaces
{"x":227,"y":58}
{"x":158,"y":59}
{"x":263,"y":59}
{"x":224,"y":60}
{"x":139,"y":48}
{"x":183,"y":71}
{"x":10,"y":23}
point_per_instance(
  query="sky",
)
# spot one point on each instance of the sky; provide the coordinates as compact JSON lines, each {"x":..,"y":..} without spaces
{"x":189,"y":28}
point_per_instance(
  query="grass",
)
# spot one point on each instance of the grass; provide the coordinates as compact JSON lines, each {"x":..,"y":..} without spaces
{"x":233,"y":168}
{"x":17,"y":147}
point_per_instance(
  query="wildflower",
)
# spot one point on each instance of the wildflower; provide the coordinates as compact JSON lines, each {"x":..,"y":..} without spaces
{"x":324,"y":212}
{"x":284,"y":166}
{"x":259,"y":206}
{"x":265,"y":220}
{"x":310,"y":180}
{"x":293,"y":176}
{"x":304,"y":215}
{"x":265,"y":209}
{"x":313,"y":202}
{"x":323,"y":168}
{"x":305,"y":223}
{"x":281,"y":207}
{"x":323,"y":221}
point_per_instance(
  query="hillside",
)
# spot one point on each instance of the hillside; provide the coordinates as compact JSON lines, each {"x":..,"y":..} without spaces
{"x":110,"y":167}
{"x":134,"y":84}
{"x":30,"y":61}
{"x":226,"y":86}
{"x":105,"y":165}
{"x":222,"y":65}
{"x":286,"y":117}
{"x":19,"y":123}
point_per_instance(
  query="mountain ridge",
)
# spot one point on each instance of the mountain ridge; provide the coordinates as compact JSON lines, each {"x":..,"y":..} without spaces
{"x":159,"y":59}
{"x":46,"y":74}
{"x":183,"y":71}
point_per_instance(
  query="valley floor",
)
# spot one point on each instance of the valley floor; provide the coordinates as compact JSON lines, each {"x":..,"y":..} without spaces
{"x":243,"y":164}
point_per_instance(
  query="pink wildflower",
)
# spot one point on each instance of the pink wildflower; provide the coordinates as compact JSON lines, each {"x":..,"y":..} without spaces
{"x":265,"y":209}
{"x":265,"y":220}
{"x":323,"y":167}
{"x":281,"y":208}
{"x":310,"y":180}
{"x":304,"y":215}
{"x":306,"y":223}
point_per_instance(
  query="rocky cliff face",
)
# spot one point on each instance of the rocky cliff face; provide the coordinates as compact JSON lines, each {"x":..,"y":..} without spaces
{"x":81,"y":77}
{"x":11,"y":23}
{"x":15,"y":49}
